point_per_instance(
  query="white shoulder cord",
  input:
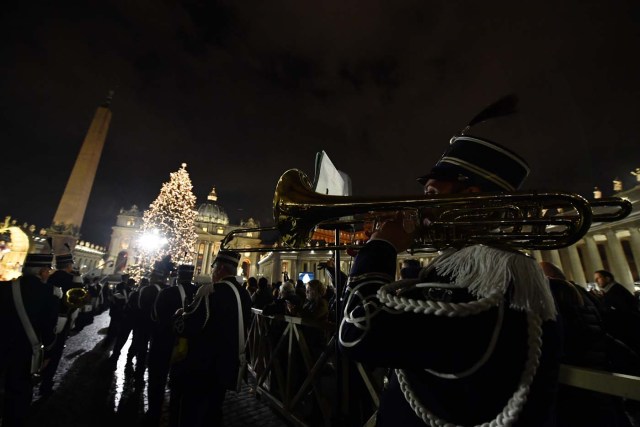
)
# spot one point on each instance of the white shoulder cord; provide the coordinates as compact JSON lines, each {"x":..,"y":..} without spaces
{"x":370,"y":304}
{"x":179,"y":324}
{"x":241,"y":342}
{"x":392,"y":303}
{"x":183,"y":296}
{"x":515,"y":404}
{"x":36,"y":345}
{"x":154,"y":313}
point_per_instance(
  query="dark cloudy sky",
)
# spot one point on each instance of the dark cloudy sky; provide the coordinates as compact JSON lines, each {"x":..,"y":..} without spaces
{"x":242,"y":91}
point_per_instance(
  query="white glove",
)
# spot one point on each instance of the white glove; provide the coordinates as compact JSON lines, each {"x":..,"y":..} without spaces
{"x":57,"y":292}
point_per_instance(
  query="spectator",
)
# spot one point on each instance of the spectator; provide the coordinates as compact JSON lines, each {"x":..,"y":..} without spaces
{"x":586,"y":344}
{"x":263,"y":296}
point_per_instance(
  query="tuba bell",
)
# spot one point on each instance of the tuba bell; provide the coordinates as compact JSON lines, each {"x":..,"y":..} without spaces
{"x":76,"y":298}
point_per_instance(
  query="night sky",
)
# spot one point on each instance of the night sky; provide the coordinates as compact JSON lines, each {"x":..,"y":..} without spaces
{"x":242,"y":91}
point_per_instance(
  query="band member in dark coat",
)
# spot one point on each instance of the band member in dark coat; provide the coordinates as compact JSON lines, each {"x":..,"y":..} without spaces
{"x":474,"y":339}
{"x":15,"y":348}
{"x":163,"y":339}
{"x":211,"y":326}
{"x":119,"y":300}
{"x":129,"y":319}
{"x":145,"y":313}
{"x":62,"y":281}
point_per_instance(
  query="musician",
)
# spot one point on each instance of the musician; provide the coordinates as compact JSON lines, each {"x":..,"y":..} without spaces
{"x":130,"y":317}
{"x":474,"y":338}
{"x":144,"y":313}
{"x":211,"y":326}
{"x":163,"y":338}
{"x":62,"y":280}
{"x":119,"y":301}
{"x":15,"y":346}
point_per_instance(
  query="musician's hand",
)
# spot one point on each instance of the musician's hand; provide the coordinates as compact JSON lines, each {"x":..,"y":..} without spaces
{"x":397,"y":232}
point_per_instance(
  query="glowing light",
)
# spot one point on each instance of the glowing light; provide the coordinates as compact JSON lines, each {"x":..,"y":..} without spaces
{"x":306,"y":279}
{"x":152,"y":241}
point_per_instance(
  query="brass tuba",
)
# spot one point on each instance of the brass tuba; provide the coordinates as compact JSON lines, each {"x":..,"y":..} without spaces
{"x":520,"y":220}
{"x":76,"y":298}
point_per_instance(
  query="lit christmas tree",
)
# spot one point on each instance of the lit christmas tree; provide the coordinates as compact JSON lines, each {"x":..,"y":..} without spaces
{"x":169,"y":224}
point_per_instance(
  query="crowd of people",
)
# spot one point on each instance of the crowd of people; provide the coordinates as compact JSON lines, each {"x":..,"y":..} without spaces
{"x":476,"y":337}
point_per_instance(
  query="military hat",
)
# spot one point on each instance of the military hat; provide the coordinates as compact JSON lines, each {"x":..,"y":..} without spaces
{"x":185,"y":272}
{"x":63,"y":260}
{"x":229,"y":257}
{"x":480,"y":162}
{"x":38,"y":260}
{"x":160,"y":268}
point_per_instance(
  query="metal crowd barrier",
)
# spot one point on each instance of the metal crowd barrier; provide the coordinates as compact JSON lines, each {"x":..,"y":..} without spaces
{"x":299,"y":379}
{"x":626,"y":386}
{"x":300,"y":382}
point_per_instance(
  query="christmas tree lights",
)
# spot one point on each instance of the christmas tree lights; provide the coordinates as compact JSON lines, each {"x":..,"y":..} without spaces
{"x":168,"y":226}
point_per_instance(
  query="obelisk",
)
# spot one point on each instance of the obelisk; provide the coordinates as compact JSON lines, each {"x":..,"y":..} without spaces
{"x":67,"y":221}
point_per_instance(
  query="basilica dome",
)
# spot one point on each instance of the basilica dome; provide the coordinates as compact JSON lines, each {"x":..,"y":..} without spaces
{"x":211,"y":212}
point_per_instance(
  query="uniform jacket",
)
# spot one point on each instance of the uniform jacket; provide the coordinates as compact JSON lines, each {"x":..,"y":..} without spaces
{"x":415,"y":342}
{"x":64,"y":281}
{"x":42,"y":310}
{"x":212,"y":356}
{"x":147,"y":297}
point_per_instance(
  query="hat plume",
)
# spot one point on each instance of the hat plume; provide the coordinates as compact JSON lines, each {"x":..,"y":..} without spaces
{"x":502,"y":107}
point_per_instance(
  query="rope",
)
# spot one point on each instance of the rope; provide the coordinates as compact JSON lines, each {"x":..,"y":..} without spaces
{"x":514,"y":405}
{"x":438,"y":308}
{"x":370,"y":305}
{"x":487,"y":354}
{"x":489,"y":286}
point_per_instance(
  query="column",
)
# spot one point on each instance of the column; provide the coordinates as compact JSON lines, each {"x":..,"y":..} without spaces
{"x":207,"y":259}
{"x":618,"y":262}
{"x":635,"y":247}
{"x":594,"y":261}
{"x":574,"y":265}
{"x":537,"y":255}
{"x":554,"y":258}
{"x":276,"y":272}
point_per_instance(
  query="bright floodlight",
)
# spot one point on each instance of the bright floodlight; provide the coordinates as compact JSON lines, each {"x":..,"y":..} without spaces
{"x":152,"y":241}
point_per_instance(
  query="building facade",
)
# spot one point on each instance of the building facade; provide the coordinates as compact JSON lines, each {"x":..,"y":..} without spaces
{"x":212,"y":225}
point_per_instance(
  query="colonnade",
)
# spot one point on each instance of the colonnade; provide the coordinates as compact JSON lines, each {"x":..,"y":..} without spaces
{"x":582,"y":259}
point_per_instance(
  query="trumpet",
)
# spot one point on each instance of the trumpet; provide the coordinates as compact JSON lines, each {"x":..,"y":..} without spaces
{"x":519,"y":220}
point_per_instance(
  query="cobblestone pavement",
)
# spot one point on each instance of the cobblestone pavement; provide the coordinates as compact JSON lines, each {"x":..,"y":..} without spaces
{"x":89,"y":392}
